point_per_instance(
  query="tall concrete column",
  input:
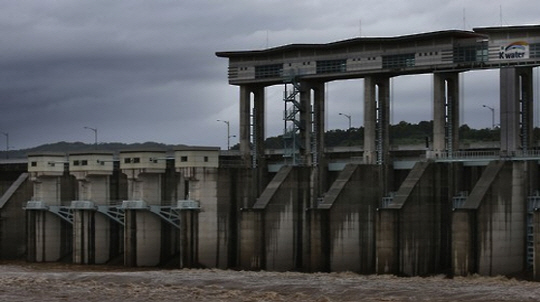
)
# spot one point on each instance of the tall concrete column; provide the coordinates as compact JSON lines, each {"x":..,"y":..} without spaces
{"x":245,"y":122}
{"x":319,"y":121}
{"x":144,"y":232}
{"x":516,"y":109}
{"x":48,"y":235}
{"x":376,"y":119}
{"x":259,"y":159}
{"x":143,"y":229}
{"x":258,"y":124}
{"x":446,"y":113}
{"x":91,"y":230}
{"x":319,"y":162}
{"x":306,"y":123}
{"x":246,"y":106}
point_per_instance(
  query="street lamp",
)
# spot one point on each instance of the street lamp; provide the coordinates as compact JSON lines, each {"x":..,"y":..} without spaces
{"x":95,"y":135}
{"x":228,"y":133}
{"x":7,"y":143}
{"x":492,"y":115}
{"x":347,"y":116}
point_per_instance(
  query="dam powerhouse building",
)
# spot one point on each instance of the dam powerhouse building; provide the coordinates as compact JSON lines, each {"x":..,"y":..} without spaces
{"x":448,"y":208}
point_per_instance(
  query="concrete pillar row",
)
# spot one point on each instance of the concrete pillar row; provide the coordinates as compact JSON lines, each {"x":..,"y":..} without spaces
{"x":376,"y":110}
{"x":446,"y":113}
{"x":516,"y":109}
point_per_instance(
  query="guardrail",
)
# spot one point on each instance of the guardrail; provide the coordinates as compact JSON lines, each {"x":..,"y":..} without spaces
{"x":467,"y":155}
{"x":487,"y":155}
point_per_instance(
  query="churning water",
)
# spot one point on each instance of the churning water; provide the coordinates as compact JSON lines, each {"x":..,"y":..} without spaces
{"x":57,"y":282}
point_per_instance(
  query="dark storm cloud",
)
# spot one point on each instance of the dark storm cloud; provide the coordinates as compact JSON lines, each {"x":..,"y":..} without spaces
{"x":146,"y":70}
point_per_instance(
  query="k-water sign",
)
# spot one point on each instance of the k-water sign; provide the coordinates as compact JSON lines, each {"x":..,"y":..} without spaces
{"x":514,"y":50}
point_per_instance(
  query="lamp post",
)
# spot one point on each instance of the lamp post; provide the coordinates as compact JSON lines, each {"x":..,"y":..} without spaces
{"x":7,"y":143}
{"x":95,"y":135}
{"x":492,"y":115}
{"x":347,"y":116}
{"x":228,"y":133}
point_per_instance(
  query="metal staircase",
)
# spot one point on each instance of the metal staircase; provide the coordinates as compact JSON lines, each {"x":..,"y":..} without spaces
{"x":291,"y":116}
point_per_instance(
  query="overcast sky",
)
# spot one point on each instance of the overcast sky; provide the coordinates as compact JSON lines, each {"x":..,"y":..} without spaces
{"x":146,"y":70}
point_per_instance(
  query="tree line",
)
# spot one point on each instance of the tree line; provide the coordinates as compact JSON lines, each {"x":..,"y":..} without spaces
{"x":402,"y":133}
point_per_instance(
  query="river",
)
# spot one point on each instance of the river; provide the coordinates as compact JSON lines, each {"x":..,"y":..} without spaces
{"x":61,"y":282}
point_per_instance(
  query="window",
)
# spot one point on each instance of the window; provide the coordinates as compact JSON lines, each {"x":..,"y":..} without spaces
{"x":398,"y":61}
{"x":84,"y":162}
{"x":75,"y":162}
{"x":136,"y":160}
{"x":471,"y":53}
{"x":127,"y":160}
{"x":534,"y":50}
{"x":183,"y":159}
{"x":331,"y":66}
{"x":206,"y":159}
{"x":268,"y":71}
{"x":33,"y":164}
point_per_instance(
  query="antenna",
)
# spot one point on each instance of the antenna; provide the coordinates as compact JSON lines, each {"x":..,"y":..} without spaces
{"x":500,"y":14}
{"x":359,"y":27}
{"x":464,"y":20}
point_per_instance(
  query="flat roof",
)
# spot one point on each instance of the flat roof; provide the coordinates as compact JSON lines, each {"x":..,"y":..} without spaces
{"x":460,"y":34}
{"x":99,"y":152}
{"x":197,"y":148}
{"x":46,"y":154}
{"x":512,"y":28}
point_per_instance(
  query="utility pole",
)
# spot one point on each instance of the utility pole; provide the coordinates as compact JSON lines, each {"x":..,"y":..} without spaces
{"x":347,"y":116}
{"x":228,"y":133}
{"x":95,"y":135}
{"x":492,"y":115}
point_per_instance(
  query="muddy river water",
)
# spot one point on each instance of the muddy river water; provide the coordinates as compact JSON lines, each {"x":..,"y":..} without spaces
{"x":58,"y":282}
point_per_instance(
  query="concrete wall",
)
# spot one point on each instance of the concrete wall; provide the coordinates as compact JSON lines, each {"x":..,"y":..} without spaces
{"x":13,"y":221}
{"x":283,"y":224}
{"x":203,"y":188}
{"x":251,"y":240}
{"x":142,"y":238}
{"x":536,"y":245}
{"x":282,"y":230}
{"x":421,"y":205}
{"x":489,"y":230}
{"x":50,"y":237}
{"x":501,"y":223}
{"x":352,"y":203}
{"x":387,"y":242}
{"x":283,"y":204}
{"x":464,"y":259}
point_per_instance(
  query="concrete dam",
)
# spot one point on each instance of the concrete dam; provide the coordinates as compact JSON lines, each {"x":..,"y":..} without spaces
{"x":442,"y":208}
